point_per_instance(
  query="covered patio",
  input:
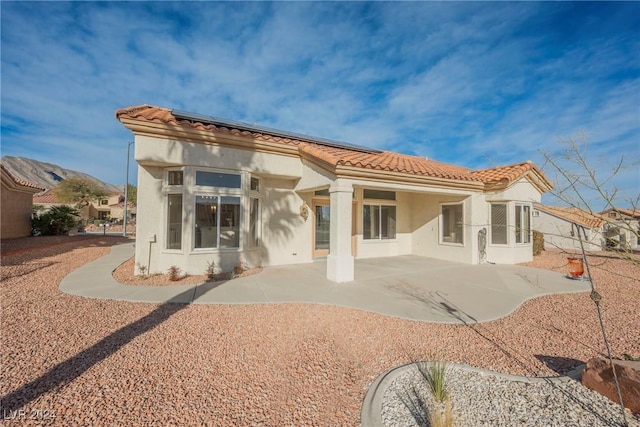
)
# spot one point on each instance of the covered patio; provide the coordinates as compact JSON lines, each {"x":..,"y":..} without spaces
{"x":407,"y":286}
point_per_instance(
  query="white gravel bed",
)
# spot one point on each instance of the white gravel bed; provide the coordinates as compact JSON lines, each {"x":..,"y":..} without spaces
{"x":482,"y":399}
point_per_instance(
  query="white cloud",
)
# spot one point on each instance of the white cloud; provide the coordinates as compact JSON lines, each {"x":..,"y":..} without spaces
{"x":467,"y":83}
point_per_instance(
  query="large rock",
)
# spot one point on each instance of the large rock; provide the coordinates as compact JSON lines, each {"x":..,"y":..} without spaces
{"x":598,"y":376}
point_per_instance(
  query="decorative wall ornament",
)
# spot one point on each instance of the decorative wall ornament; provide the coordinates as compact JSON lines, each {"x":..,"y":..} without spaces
{"x":304,"y":211}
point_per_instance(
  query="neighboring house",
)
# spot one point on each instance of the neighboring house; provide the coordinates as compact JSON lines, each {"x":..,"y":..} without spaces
{"x":110,"y":207}
{"x":16,"y":205}
{"x":557,"y":225}
{"x":622,"y":228}
{"x":217,"y":191}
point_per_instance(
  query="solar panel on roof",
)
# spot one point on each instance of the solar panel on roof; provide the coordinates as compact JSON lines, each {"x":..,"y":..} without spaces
{"x":275,"y":132}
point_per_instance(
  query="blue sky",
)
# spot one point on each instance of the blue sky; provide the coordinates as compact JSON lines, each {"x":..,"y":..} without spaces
{"x":473,"y":84}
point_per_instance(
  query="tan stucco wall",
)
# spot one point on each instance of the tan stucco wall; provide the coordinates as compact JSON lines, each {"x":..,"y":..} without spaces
{"x":285,"y":235}
{"x":16,"y":213}
{"x":426,"y":210}
{"x":286,"y":183}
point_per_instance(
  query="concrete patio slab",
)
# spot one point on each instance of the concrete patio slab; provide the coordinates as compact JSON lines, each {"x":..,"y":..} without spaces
{"x":409,"y":287}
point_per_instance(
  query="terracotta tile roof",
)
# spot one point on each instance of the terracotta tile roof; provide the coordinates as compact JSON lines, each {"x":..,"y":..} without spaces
{"x":501,"y":173}
{"x":335,"y":156}
{"x":632,"y":213}
{"x":571,"y":214}
{"x":505,"y":175}
{"x":161,"y":115}
{"x":387,"y":161}
{"x":46,"y":197}
{"x":21,"y":182}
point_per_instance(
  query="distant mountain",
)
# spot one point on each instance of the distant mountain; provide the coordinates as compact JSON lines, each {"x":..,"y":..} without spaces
{"x":47,"y":175}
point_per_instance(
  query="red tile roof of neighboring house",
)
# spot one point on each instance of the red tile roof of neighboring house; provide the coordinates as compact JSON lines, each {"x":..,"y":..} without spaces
{"x":572,"y":214}
{"x":633,"y":213}
{"x":46,"y":197}
{"x":342,"y":156}
{"x":21,"y":182}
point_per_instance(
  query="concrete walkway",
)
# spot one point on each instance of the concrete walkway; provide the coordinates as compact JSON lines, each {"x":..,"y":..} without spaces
{"x":409,"y":287}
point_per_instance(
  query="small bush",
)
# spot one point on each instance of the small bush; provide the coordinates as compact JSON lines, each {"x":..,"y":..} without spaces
{"x":142,"y":268}
{"x":538,"y":242}
{"x":434,"y":373}
{"x":56,"y":221}
{"x":212,"y":270}
{"x":239,"y":268}
{"x":174,"y":273}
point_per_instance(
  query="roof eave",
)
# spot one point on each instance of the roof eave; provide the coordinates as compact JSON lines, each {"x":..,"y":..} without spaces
{"x":151,"y":129}
{"x":345,"y":171}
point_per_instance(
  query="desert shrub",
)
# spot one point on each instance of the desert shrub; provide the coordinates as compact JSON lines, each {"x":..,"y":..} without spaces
{"x":538,"y":242}
{"x":142,"y":268}
{"x":174,"y":273}
{"x":55,"y":221}
{"x":212,"y":270}
{"x":239,"y":268}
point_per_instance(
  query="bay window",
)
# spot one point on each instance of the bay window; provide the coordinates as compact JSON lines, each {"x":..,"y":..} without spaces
{"x":254,"y":222}
{"x":174,"y":221}
{"x":499,"y":224}
{"x":523,"y":224}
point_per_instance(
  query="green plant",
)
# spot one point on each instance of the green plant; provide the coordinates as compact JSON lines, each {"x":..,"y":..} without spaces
{"x":174,"y":273}
{"x":434,"y":374}
{"x":627,"y":356}
{"x":55,"y":221}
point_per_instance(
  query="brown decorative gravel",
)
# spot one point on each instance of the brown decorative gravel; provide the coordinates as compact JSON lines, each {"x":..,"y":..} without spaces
{"x":68,"y":360}
{"x":124,"y":274}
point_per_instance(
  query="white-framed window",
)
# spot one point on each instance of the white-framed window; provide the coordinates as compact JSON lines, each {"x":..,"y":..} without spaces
{"x":174,"y":221}
{"x":378,"y":214}
{"x":217,"y":210}
{"x":452,"y":223}
{"x":523,"y":224}
{"x":499,"y":224}
{"x":255,"y":184}
{"x":379,"y":222}
{"x":174,"y":201}
{"x":175,"y":177}
{"x":255,"y":213}
{"x":255,"y":222}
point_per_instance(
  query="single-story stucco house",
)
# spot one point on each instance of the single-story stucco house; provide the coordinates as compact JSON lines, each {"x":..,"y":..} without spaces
{"x":16,"y":205}
{"x":556,"y":223}
{"x":622,"y":228}
{"x":218,"y":191}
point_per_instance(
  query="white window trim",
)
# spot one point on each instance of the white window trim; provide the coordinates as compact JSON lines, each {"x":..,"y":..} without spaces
{"x":515,"y":230}
{"x":165,"y":230}
{"x":379,"y":202}
{"x":490,"y":233}
{"x":441,"y":225}
{"x":250,"y":245}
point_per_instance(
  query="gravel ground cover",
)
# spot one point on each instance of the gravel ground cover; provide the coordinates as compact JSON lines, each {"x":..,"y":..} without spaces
{"x":68,"y":360}
{"x":480,"y":399}
{"x":124,"y":274}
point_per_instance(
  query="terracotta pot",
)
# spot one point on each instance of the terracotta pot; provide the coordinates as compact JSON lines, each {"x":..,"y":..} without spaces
{"x":576,"y":268}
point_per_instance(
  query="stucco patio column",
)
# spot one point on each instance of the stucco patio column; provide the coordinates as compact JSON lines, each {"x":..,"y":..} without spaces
{"x":340,"y":264}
